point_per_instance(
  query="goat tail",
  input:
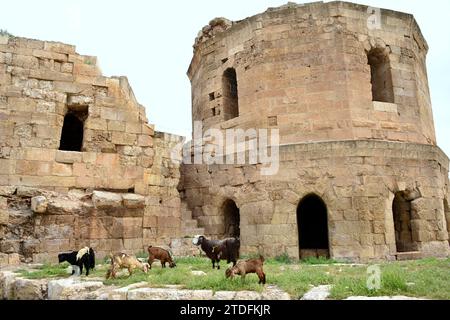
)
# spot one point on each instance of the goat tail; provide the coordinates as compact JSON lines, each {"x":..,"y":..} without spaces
{"x":261,"y":258}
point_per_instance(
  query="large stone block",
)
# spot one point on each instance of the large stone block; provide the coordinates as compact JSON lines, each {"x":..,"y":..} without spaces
{"x":133,"y":201}
{"x":39,"y":204}
{"x":68,"y":157}
{"x":127,"y":228}
{"x":104,"y":200}
{"x":25,"y":289}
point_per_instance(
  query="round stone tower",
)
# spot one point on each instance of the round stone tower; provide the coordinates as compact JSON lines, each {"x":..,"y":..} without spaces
{"x":360,"y":175}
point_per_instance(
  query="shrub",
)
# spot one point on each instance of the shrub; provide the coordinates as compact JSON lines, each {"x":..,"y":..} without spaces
{"x":5,"y":33}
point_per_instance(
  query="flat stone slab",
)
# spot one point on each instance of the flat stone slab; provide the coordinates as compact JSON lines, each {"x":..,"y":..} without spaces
{"x":169,"y":294}
{"x":71,"y":289}
{"x":274,"y":293}
{"x":317,"y":293}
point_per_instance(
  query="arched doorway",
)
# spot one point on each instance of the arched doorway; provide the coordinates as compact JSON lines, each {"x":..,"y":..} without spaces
{"x":312,"y":222}
{"x":231,"y":219}
{"x":401,"y":210}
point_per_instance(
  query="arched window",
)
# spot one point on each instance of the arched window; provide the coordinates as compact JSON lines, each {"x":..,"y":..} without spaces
{"x":231,"y":219}
{"x":72,"y":131}
{"x":401,"y":209}
{"x":312,"y":223}
{"x":230,"y":94}
{"x":381,"y":75}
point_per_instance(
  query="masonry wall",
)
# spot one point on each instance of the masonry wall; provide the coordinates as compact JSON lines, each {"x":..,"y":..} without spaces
{"x":115,"y":194}
{"x":40,"y":82}
{"x":304,"y":70}
{"x":357,"y":181}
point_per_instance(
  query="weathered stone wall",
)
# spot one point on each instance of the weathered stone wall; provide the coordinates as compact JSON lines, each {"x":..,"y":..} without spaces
{"x":40,"y":82}
{"x":304,"y":68}
{"x":357,"y":181}
{"x":167,"y":221}
{"x":110,"y":195}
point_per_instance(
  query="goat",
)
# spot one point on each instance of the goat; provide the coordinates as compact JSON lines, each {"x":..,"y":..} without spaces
{"x":248,"y":266}
{"x":164,"y":256}
{"x":124,"y":261}
{"x":84,"y":256}
{"x":216,"y":250}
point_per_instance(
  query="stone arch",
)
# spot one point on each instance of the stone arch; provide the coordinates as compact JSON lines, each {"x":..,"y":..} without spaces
{"x":232,"y":219}
{"x":401,"y":213}
{"x":312,"y":224}
{"x":230,"y":94}
{"x":381,"y":75}
{"x":73,"y":130}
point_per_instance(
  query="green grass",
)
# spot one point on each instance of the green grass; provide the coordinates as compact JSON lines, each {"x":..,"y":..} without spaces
{"x":428,"y":278}
{"x":46,"y":271}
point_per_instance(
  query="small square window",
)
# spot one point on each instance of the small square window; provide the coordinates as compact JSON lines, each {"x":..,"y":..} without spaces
{"x":273,"y":121}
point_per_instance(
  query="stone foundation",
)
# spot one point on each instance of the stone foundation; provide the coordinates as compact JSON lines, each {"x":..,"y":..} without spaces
{"x":357,"y":181}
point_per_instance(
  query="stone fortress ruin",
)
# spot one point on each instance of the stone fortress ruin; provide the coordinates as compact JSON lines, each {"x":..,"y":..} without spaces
{"x":360,"y":175}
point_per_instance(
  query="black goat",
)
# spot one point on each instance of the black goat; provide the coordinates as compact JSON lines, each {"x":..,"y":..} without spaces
{"x":216,"y":250}
{"x":85,"y":256}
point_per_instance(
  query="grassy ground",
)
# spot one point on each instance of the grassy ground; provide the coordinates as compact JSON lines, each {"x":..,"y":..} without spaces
{"x":428,"y":278}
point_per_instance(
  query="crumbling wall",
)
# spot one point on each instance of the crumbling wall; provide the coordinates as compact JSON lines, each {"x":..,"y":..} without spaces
{"x":40,"y":83}
{"x":104,"y":194}
{"x":163,"y":223}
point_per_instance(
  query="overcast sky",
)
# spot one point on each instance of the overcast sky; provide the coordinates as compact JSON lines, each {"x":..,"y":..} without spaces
{"x":150,"y":42}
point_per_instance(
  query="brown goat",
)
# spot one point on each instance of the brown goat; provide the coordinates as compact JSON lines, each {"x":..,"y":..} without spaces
{"x":156,"y":253}
{"x":248,"y":266}
{"x":124,"y":261}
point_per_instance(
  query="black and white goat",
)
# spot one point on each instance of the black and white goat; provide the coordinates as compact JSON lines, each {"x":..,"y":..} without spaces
{"x":84,"y":257}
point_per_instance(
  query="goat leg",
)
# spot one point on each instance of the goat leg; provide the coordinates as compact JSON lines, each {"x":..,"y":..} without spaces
{"x":150,"y":261}
{"x":261,"y":276}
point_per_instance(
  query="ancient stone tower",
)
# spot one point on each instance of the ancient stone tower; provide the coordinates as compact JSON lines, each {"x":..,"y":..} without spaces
{"x":360,"y":175}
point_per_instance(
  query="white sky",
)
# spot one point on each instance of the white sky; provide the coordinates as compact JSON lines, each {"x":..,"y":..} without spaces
{"x":150,"y":42}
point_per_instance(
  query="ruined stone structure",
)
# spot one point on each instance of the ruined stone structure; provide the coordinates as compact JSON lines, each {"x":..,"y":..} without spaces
{"x":79,"y":163}
{"x":360,"y":176}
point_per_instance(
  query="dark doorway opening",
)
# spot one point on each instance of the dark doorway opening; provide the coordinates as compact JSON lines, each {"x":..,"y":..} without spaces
{"x":231,"y":219}
{"x":230,"y":94}
{"x":401,"y":209}
{"x":381,"y":75}
{"x":72,"y":131}
{"x":312,"y":222}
